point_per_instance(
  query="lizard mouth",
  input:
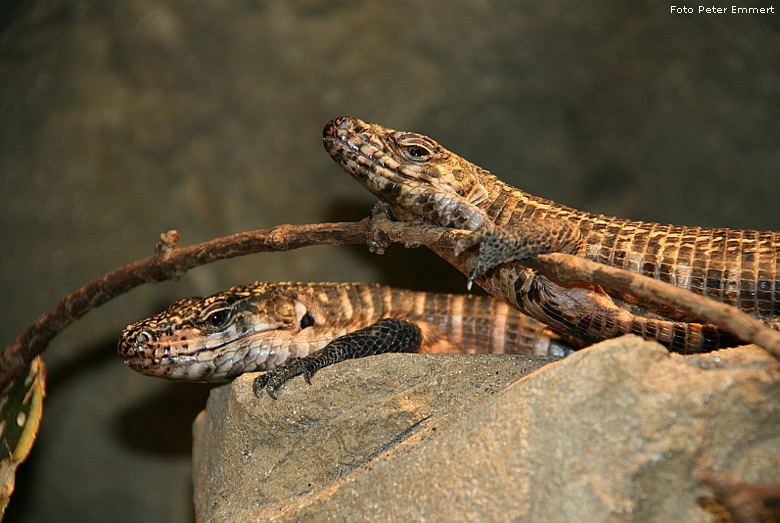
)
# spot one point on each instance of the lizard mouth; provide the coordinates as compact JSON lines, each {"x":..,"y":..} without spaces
{"x":217,"y":361}
{"x":369,"y":154}
{"x":365,"y":160}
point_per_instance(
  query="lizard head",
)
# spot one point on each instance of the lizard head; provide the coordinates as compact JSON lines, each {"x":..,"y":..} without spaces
{"x":218,"y":337}
{"x":416,"y":176}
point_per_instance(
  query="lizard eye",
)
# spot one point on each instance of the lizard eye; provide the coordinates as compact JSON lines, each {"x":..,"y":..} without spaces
{"x":417,"y":152}
{"x":415,"y":148}
{"x":219,"y":317}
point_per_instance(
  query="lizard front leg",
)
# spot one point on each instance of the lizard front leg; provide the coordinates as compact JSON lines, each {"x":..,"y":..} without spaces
{"x":497,"y":245}
{"x":386,"y":335}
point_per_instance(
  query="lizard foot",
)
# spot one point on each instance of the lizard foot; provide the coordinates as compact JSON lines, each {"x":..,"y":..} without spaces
{"x":524,"y":241}
{"x":386,"y":335}
{"x":378,"y":242}
{"x":273,"y":380}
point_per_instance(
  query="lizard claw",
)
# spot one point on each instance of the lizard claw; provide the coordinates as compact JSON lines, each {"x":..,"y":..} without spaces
{"x":386,"y":335}
{"x":466,"y":243}
{"x":482,"y":264}
{"x":495,"y":249}
{"x":273,"y":380}
{"x":499,"y":246}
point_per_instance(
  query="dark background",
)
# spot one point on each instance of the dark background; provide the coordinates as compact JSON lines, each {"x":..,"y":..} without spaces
{"x":122,"y":119}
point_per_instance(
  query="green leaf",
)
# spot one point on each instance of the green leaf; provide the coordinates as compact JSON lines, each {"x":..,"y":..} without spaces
{"x":21,"y":407}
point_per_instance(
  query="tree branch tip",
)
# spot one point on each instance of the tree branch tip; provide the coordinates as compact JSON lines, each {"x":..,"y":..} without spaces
{"x":168,"y":242}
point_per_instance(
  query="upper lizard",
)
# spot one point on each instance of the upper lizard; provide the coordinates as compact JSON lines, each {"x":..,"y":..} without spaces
{"x":422,"y":181}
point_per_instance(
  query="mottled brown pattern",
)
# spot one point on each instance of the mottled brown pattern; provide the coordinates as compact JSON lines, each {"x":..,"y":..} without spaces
{"x":420,"y":180}
{"x":263,"y":325}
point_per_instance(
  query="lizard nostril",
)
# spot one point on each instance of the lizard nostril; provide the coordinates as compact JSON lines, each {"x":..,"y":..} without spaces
{"x":142,"y":338}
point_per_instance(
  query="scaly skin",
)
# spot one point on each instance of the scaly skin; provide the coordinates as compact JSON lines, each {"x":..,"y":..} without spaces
{"x":423,"y":182}
{"x":266,"y":325}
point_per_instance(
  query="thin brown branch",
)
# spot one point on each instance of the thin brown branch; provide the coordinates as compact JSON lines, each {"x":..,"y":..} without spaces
{"x":568,"y":269}
{"x":171,"y":262}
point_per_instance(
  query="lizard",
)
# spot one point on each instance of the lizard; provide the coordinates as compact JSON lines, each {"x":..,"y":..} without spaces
{"x":421,"y":181}
{"x":290,"y":329}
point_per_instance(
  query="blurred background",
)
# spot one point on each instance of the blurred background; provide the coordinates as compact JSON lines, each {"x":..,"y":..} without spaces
{"x":123,"y":119}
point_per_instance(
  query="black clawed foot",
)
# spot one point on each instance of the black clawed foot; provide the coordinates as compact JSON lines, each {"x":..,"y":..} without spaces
{"x":467,"y":242}
{"x":495,"y":248}
{"x":498,"y":246}
{"x":386,"y":335}
{"x":464,"y":244}
{"x":273,"y":380}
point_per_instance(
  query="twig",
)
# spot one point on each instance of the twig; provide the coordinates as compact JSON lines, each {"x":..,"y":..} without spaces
{"x":171,"y":262}
{"x":568,"y":269}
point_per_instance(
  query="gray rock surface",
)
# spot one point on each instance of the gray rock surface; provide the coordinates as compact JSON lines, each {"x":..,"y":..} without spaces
{"x":617,"y":432}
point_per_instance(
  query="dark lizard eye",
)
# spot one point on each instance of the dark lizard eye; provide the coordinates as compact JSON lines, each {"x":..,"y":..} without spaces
{"x":219,"y":317}
{"x":415,"y":147}
{"x":416,"y":151}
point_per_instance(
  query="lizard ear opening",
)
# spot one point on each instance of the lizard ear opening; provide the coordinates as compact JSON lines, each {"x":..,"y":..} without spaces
{"x":303,"y":316}
{"x":307,"y":320}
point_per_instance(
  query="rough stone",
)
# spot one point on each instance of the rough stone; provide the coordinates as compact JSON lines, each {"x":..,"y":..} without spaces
{"x":617,"y":432}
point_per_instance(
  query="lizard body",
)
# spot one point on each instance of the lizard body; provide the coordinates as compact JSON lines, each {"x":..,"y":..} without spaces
{"x":423,"y":182}
{"x":266,"y":326}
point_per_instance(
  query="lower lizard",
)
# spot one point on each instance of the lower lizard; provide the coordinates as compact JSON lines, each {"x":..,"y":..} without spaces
{"x":423,"y":182}
{"x":297,"y":328}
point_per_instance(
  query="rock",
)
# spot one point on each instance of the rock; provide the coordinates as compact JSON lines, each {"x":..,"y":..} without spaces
{"x":617,"y":432}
